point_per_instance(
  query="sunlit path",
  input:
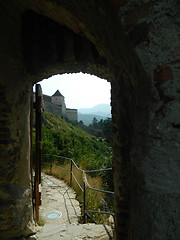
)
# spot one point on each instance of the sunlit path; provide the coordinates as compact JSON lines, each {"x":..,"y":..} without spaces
{"x":57,"y":196}
{"x":61,"y":213}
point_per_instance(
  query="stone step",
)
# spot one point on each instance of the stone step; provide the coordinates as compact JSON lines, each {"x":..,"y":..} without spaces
{"x":75,"y":232}
{"x":59,"y":198}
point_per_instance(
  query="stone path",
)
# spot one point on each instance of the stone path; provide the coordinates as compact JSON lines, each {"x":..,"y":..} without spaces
{"x":59,"y":200}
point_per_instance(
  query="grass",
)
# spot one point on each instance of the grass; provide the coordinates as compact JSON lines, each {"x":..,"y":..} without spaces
{"x":41,"y":221}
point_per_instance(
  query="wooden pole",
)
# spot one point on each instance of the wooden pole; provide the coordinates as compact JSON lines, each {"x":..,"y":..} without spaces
{"x":38,"y":112}
{"x":84,"y":203}
{"x":71,"y":168}
{"x":31,"y":151}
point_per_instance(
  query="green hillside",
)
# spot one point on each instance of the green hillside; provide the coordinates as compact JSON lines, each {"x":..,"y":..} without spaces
{"x":65,"y":139}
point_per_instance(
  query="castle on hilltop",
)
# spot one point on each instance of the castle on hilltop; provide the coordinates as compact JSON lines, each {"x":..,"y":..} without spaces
{"x":56,"y":105}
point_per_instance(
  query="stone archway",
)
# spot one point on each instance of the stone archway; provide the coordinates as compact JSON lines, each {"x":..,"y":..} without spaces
{"x":142,"y":197}
{"x":67,"y":52}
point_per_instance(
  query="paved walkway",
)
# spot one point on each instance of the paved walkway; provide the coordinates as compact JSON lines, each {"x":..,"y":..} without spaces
{"x":58,"y":200}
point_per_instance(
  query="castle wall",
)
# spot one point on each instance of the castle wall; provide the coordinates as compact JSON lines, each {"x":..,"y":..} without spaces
{"x":59,"y":100}
{"x":71,"y":115}
{"x":152,"y":31}
{"x":52,"y":108}
{"x":56,"y":105}
{"x":145,"y":102}
{"x":46,"y":98}
{"x":15,"y":95}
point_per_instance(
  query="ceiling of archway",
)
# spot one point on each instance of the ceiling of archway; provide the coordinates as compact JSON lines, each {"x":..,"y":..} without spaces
{"x":96,"y":22}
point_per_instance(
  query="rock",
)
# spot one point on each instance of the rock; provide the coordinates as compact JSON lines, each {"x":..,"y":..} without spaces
{"x":34,"y":237}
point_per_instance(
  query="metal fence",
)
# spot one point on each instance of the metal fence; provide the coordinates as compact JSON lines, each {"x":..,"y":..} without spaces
{"x":52,"y":161}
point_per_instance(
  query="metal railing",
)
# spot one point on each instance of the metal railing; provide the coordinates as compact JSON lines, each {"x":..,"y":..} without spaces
{"x":85,"y":186}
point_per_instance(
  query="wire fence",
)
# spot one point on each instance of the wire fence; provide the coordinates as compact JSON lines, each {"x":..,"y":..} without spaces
{"x":58,"y":162}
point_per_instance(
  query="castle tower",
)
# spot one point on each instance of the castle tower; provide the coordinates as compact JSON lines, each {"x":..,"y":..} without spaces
{"x":58,"y":99}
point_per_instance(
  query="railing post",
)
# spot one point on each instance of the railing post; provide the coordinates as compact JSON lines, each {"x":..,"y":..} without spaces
{"x":84,"y":203}
{"x":51,"y":167}
{"x":71,"y":168}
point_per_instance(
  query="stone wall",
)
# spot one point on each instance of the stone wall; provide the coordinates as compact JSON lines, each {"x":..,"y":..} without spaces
{"x":15,"y":95}
{"x":46,"y":98}
{"x":139,"y":55}
{"x":59,"y":109}
{"x":52,"y":108}
{"x":71,"y":115}
{"x":152,"y":28}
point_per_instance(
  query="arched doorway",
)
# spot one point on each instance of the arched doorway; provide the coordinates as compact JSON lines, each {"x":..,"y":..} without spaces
{"x":70,"y":44}
{"x":58,"y":49}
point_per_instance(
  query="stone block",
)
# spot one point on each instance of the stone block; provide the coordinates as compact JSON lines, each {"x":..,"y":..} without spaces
{"x":139,"y":33}
{"x":162,"y":74}
{"x":176,"y":63}
{"x":118,"y":3}
{"x":137,"y":13}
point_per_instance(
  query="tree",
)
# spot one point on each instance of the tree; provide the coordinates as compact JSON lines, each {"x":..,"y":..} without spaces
{"x":81,"y":122}
{"x":107,"y":129}
{"x":94,"y":122}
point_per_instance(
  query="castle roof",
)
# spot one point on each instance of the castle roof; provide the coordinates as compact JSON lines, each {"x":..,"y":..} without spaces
{"x":57,"y":94}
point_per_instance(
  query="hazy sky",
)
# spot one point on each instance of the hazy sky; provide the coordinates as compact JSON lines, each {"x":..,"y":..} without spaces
{"x":80,"y":90}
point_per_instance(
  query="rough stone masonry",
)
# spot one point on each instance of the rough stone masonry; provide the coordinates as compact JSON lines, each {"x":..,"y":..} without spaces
{"x":135,"y":45}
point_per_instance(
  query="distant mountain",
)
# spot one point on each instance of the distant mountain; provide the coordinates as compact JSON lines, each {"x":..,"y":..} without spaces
{"x":100,"y":111}
{"x":87,"y":118}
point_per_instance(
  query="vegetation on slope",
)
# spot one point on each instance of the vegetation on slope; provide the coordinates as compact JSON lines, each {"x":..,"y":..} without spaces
{"x":64,"y":139}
